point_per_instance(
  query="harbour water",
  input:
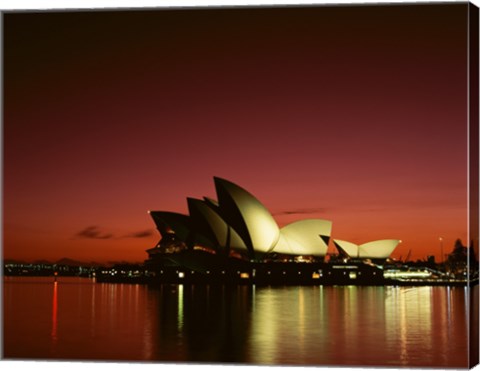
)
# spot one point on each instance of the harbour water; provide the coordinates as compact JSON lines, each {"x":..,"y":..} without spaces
{"x":79,"y":319}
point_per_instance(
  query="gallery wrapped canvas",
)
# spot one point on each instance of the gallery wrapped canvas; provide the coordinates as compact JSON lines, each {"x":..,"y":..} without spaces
{"x":242,"y":185}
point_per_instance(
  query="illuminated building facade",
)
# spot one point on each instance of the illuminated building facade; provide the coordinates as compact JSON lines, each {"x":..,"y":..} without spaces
{"x":236,"y":235}
{"x":240,"y":225}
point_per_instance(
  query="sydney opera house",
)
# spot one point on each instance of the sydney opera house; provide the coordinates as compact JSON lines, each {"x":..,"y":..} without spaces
{"x":235,"y":238}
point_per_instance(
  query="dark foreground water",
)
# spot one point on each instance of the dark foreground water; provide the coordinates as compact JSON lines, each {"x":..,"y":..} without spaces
{"x":79,"y":319}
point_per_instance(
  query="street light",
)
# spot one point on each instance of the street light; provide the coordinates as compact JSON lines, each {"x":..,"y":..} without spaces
{"x":441,"y":248}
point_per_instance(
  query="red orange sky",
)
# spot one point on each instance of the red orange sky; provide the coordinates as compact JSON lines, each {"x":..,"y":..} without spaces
{"x":352,"y":114}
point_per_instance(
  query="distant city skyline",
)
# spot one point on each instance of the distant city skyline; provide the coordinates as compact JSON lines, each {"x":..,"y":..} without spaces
{"x":353,"y":114}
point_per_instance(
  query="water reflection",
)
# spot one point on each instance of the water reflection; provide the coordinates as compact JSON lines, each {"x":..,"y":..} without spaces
{"x":358,"y":326}
{"x":180,"y":308}
{"x":408,"y":324}
{"x":390,"y":326}
{"x":312,"y":325}
{"x":473,"y":293}
{"x":203,"y":323}
{"x":288,"y":322}
{"x":92,"y":311}
{"x":54,"y":312}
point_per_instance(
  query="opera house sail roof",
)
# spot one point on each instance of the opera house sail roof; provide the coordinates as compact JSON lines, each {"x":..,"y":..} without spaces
{"x":238,"y":224}
{"x":380,"y":249}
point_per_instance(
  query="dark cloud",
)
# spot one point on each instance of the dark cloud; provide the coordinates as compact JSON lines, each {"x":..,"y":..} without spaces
{"x":140,"y":234}
{"x":301,"y":211}
{"x":93,"y":232}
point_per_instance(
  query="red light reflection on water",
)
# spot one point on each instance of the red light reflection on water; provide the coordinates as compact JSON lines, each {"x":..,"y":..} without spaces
{"x":54,"y":312}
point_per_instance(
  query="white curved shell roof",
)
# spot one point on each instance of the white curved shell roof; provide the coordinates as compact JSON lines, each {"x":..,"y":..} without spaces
{"x":303,"y":237}
{"x":380,"y":249}
{"x":283,"y":246}
{"x":225,"y":235}
{"x":262,"y":228}
{"x":236,"y":242}
{"x":349,"y":248}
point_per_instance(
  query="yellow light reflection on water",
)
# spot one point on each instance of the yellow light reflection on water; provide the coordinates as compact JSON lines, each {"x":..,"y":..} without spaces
{"x":286,"y":324}
{"x":301,"y":317}
{"x":180,"y":308}
{"x":408,"y":321}
{"x":265,"y":325}
{"x":349,"y":325}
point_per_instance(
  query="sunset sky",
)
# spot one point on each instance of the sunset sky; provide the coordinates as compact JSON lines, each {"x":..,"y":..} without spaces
{"x":351,"y":114}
